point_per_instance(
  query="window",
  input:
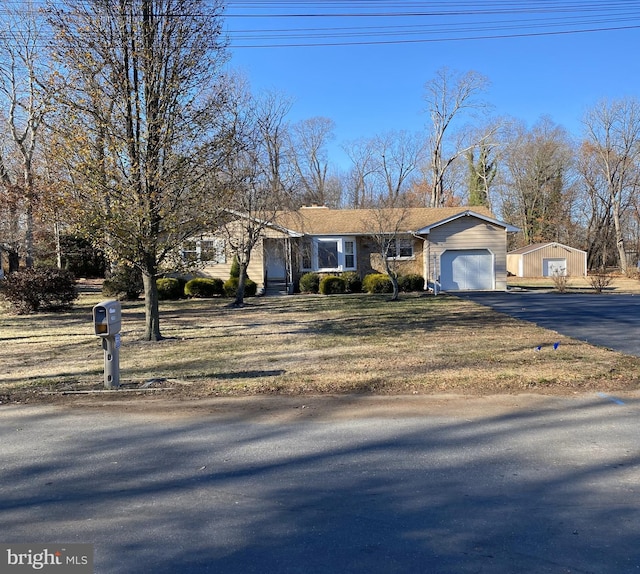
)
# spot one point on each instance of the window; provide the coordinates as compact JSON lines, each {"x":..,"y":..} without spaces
{"x":190,"y":252}
{"x":349,"y":255}
{"x":400,"y":248}
{"x":204,"y":251}
{"x":212,"y":251}
{"x":306,"y":254}
{"x":327,"y":254}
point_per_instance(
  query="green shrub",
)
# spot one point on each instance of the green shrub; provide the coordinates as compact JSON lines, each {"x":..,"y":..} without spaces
{"x":169,"y":288}
{"x":126,"y":283}
{"x":231,"y":287}
{"x":377,"y":283}
{"x":203,"y":287}
{"x":332,"y":285}
{"x":38,"y":289}
{"x":235,"y":268}
{"x":411,"y":282}
{"x":352,"y":282}
{"x":310,"y":283}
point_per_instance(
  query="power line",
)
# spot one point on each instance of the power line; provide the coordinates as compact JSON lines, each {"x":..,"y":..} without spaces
{"x":380,"y":22}
{"x":372,"y":22}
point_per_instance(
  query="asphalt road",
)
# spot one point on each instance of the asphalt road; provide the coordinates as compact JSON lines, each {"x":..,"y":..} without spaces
{"x":541,"y":487}
{"x":605,"y":320}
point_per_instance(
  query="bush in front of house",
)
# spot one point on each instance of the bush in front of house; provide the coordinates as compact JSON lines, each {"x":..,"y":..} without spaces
{"x":231,"y":287}
{"x":124,"y":284}
{"x":169,"y":288}
{"x":332,"y":285}
{"x":310,"y":283}
{"x":46,"y":288}
{"x":204,"y":287}
{"x":377,"y":283}
{"x":411,"y":282}
{"x":352,"y":282}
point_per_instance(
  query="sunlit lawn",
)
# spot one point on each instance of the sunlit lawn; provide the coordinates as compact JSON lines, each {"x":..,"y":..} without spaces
{"x":310,"y":344}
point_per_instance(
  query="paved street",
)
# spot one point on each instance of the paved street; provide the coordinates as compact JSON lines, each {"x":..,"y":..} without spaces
{"x":606,"y":320}
{"x":544,"y":485}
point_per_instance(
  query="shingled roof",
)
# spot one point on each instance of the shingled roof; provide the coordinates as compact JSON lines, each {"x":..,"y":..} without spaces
{"x":325,"y":221}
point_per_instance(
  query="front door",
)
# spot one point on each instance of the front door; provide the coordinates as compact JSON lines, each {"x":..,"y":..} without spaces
{"x":275,"y":259}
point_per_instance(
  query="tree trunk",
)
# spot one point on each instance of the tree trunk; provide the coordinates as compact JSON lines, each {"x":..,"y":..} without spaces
{"x":394,"y":281}
{"x":151,"y":307}
{"x":622,"y":254}
{"x":28,"y":236}
{"x":396,"y":290}
{"x":242,"y":281}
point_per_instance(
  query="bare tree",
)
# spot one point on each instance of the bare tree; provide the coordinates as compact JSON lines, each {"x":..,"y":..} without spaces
{"x":363,"y":167}
{"x":536,"y":181}
{"x":387,"y":222}
{"x":384,"y":167}
{"x":256,"y":174}
{"x":449,"y":97}
{"x":142,"y":92}
{"x":398,"y":155}
{"x":24,"y":102}
{"x":309,"y":153}
{"x":612,"y":130}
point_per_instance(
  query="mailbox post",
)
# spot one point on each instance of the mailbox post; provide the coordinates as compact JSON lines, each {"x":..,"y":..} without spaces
{"x":107,"y":321}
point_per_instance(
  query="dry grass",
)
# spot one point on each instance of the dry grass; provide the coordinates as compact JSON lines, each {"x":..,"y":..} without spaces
{"x":308,"y":344}
{"x":619,"y":283}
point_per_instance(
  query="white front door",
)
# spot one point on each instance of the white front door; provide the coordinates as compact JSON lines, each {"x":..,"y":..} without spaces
{"x":275,"y":260}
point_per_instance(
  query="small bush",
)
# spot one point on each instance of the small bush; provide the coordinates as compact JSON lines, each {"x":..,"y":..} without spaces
{"x":231,"y":287}
{"x":377,"y":283}
{"x":332,"y":285}
{"x":600,"y":280}
{"x":202,"y":287}
{"x":410,"y":283}
{"x":310,"y":283}
{"x":560,"y":281}
{"x":169,"y":288}
{"x":125,"y":284}
{"x":352,"y":282}
{"x":33,"y":290}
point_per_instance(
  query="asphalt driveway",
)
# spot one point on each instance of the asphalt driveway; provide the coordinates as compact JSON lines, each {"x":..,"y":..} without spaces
{"x":605,"y":320}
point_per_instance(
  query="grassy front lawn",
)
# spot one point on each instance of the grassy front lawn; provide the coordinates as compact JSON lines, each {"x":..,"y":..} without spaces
{"x":308,"y":344}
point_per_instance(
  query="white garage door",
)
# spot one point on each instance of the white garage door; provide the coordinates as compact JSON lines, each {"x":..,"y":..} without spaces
{"x":553,"y":267}
{"x":466,"y":270}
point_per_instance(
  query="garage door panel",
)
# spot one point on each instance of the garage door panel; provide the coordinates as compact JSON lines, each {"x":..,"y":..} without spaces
{"x":467,"y":270}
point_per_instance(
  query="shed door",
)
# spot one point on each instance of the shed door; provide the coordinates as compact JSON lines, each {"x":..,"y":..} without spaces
{"x":466,"y":270}
{"x":553,"y":267}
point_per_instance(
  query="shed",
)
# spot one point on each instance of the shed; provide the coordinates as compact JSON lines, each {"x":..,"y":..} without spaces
{"x":546,"y":260}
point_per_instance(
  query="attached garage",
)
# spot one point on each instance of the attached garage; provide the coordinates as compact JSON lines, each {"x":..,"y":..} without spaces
{"x":547,"y":260}
{"x":467,"y":270}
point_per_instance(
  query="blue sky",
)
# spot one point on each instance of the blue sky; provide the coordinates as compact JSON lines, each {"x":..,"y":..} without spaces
{"x":370,"y":88}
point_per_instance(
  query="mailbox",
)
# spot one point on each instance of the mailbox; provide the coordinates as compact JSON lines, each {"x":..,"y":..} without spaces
{"x":107,"y":318}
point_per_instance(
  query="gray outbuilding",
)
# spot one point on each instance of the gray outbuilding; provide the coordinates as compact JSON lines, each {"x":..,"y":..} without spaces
{"x":546,"y":260}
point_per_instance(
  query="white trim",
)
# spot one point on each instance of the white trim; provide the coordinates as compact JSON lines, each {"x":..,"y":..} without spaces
{"x":510,"y":228}
{"x":340,"y":253}
{"x":539,"y":246}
